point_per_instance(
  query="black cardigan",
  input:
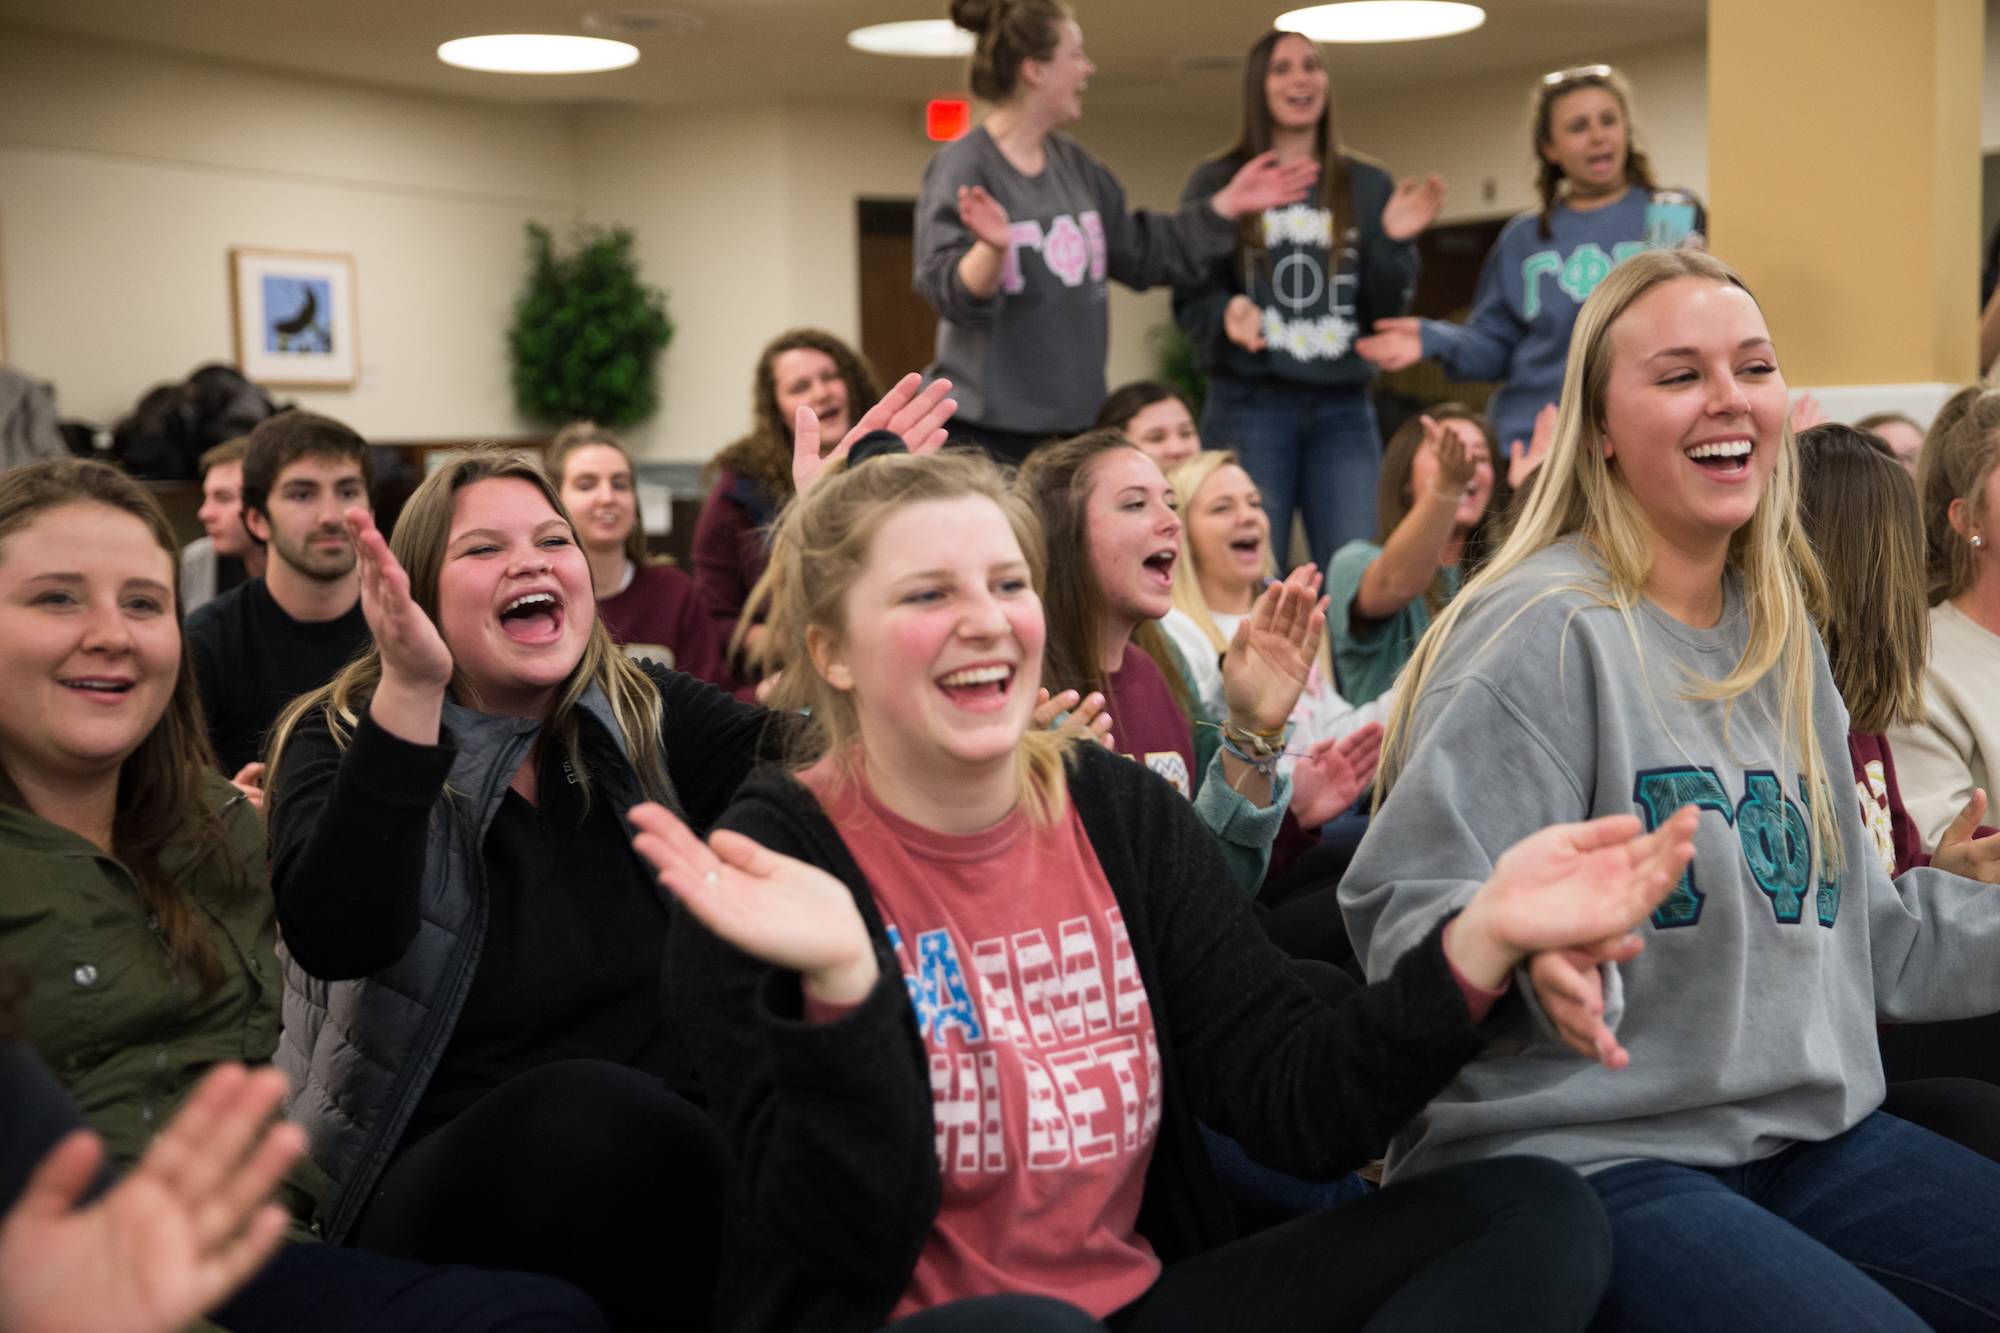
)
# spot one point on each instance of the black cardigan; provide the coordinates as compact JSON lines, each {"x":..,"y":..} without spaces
{"x":836,"y":1183}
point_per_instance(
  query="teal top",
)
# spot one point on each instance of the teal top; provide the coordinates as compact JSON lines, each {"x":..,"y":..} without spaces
{"x":1369,"y":653}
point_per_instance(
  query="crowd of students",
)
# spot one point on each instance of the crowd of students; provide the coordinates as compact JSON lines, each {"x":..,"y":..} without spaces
{"x":990,"y":890}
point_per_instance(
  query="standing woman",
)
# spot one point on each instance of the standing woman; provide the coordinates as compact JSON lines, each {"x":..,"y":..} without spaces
{"x":1274,"y":323}
{"x":800,"y":368}
{"x":962,"y":989}
{"x":651,"y":609}
{"x":1596,"y":188}
{"x":1019,"y":230}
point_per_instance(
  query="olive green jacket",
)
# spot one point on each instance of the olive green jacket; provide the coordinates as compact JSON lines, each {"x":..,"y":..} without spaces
{"x":128,"y":1035}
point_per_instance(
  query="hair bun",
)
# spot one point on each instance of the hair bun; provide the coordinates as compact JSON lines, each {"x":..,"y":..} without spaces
{"x":974,"y":15}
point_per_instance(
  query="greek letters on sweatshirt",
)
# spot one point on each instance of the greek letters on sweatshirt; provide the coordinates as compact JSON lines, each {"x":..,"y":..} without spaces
{"x":1530,"y":289}
{"x":1317,"y":296}
{"x":1751,"y":1015}
{"x":1030,"y":358}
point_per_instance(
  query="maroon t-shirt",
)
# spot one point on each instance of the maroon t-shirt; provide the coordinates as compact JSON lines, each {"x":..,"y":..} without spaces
{"x":659,"y":615}
{"x":1882,"y":813}
{"x":1146,"y":723}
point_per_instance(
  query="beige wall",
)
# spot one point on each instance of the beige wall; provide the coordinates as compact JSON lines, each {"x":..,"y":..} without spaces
{"x":125,"y":178}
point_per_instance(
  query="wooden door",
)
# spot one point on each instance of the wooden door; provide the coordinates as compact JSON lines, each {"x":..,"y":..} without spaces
{"x":898,"y":328}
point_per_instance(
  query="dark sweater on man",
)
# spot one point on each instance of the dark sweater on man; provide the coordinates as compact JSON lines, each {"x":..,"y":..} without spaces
{"x":251,"y":659}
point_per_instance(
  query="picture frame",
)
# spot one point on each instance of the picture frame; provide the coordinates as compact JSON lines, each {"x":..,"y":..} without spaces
{"x":294,"y":317}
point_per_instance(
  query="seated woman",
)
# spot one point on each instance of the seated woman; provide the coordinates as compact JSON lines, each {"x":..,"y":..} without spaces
{"x":1113,"y":539}
{"x":650,"y":608}
{"x":1435,"y":496}
{"x":801,"y":368}
{"x":1642,"y":642}
{"x":1155,"y":417}
{"x":137,"y":903}
{"x":961,"y":989}
{"x":1954,"y":749}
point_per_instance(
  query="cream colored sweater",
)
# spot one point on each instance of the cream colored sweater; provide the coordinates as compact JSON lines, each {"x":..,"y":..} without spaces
{"x":1957,"y":746}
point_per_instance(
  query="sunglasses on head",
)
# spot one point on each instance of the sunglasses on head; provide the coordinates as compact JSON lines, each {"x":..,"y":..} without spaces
{"x":1576,"y":74}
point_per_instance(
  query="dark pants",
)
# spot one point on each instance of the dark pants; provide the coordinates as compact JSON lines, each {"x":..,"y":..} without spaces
{"x":582,"y":1169}
{"x":308,"y":1288}
{"x":1885,"y":1227}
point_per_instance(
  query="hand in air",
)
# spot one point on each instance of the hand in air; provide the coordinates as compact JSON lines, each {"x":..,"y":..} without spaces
{"x":413,"y":652}
{"x":781,"y":911}
{"x":1396,"y":344}
{"x":912,"y":409}
{"x":1265,"y":182}
{"x":170,"y":1241}
{"x":1413,"y":207}
{"x":984,"y":217}
{"x":1521,"y":464}
{"x":1333,"y":774}
{"x":1963,"y":854}
{"x":1243,"y":323}
{"x":1086,"y":719}
{"x":1806,"y":413}
{"x":1569,"y":886}
{"x":1271,"y":656}
{"x":1455,"y":464}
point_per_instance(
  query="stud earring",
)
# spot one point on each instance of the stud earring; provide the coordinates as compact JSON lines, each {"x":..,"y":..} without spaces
{"x":1977,"y":543}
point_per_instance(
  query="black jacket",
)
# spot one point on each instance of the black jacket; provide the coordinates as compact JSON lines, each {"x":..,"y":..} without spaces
{"x":836,"y":1184}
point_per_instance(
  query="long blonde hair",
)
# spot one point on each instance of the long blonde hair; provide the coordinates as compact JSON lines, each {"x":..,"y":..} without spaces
{"x":823,"y":543}
{"x":1581,"y":495}
{"x":422,"y":533}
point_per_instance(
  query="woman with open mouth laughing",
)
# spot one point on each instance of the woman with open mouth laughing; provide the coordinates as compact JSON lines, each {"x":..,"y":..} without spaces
{"x":473,"y":1015}
{"x":961,"y":988}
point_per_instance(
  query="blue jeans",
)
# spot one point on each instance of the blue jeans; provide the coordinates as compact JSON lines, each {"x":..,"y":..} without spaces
{"x":1885,"y":1227}
{"x":1315,"y":448}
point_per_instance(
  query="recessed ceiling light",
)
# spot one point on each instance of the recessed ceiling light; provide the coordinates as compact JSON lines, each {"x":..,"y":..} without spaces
{"x":915,"y":37}
{"x":537,"y":53}
{"x":1382,"y":20}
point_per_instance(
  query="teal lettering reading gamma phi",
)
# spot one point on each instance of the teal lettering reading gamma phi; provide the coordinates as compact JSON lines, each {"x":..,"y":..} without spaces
{"x":1770,"y":828}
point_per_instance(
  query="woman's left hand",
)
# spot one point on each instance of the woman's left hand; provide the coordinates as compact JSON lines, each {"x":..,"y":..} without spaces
{"x":1961,"y":853}
{"x":912,"y":409}
{"x":1413,"y":207}
{"x":1271,"y":657}
{"x":1265,"y":182}
{"x":1332,"y":776}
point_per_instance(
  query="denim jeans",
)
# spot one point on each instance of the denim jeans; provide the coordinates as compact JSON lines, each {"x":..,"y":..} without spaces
{"x":1316,"y":448}
{"x":1885,"y":1227}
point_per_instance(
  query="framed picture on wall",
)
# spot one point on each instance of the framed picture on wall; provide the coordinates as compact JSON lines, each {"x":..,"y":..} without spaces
{"x":294,"y":315}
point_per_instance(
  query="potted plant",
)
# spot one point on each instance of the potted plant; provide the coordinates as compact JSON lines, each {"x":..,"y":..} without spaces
{"x":587,"y":332}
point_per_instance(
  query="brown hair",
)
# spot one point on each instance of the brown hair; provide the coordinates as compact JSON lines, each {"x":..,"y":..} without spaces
{"x":229,"y":451}
{"x":1057,"y":480}
{"x":160,"y":802}
{"x":1008,"y":32}
{"x":1552,"y":89}
{"x":823,"y":543}
{"x":581,"y":434}
{"x":1392,"y":489}
{"x":1129,"y":400}
{"x":422,"y":534}
{"x":1860,"y":512}
{"x":1876,"y":420}
{"x":1960,"y":453}
{"x":1336,"y":177}
{"x":281,"y":440}
{"x":764,"y":456}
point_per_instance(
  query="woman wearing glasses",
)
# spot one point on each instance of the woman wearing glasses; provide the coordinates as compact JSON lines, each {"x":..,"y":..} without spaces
{"x":1600,"y":205}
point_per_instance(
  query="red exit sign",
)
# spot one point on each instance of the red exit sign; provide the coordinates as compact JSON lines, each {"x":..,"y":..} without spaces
{"x":947,"y":118}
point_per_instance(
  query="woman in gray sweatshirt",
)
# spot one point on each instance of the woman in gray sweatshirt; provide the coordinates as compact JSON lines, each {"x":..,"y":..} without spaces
{"x":1641,"y":643}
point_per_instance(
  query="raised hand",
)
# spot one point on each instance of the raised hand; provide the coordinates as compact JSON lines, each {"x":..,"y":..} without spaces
{"x":1455,"y":463}
{"x":170,"y":1241}
{"x":1413,"y":206}
{"x":1265,"y":182}
{"x":911,"y":409}
{"x":413,"y":652}
{"x":1396,"y":344}
{"x":1333,"y":774}
{"x":1243,"y":323}
{"x":1806,"y":413}
{"x":1566,"y":886}
{"x":1521,"y":464}
{"x":776,"y":909}
{"x":1086,"y":719}
{"x":1571,"y":990}
{"x":1271,"y":657}
{"x":1961,"y":853}
{"x":984,"y":217}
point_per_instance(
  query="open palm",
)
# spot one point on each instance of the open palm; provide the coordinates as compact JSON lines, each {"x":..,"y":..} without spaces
{"x":1271,"y":657}
{"x":1572,"y":884}
{"x":911,"y":409}
{"x":1332,"y":776}
{"x":411,"y":647}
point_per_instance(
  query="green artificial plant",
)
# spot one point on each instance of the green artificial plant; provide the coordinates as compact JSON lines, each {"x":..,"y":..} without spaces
{"x":1175,"y":358}
{"x":587,"y":332}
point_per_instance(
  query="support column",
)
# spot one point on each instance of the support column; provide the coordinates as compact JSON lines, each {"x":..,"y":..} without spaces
{"x":1844,"y":182}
